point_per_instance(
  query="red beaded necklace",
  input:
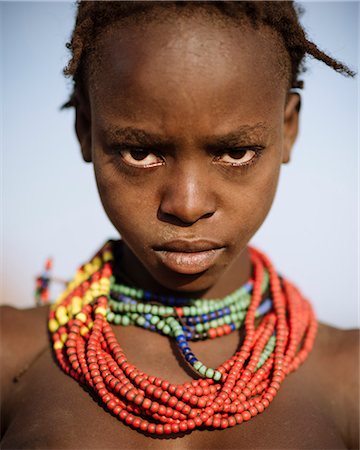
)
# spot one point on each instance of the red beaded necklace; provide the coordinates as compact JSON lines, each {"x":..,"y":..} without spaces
{"x":86,"y":348}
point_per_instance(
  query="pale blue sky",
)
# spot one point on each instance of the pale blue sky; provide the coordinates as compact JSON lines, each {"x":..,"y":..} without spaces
{"x":50,"y":204}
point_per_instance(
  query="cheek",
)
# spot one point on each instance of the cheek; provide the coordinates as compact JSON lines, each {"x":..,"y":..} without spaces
{"x":251,"y":201}
{"x":126,"y":201}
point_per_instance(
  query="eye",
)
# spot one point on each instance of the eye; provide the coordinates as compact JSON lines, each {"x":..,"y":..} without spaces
{"x":140,"y":158}
{"x":238,"y":156}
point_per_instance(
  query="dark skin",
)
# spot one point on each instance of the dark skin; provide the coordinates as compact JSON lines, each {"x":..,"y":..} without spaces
{"x":191,"y":89}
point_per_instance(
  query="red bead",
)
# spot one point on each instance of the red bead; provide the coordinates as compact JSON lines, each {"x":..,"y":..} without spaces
{"x":146,"y":403}
{"x":216,"y":422}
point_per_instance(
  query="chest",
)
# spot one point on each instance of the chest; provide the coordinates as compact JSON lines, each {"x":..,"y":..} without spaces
{"x":50,"y":410}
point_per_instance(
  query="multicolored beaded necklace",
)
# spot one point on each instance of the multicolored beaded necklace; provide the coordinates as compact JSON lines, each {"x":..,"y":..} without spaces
{"x":279,"y":324}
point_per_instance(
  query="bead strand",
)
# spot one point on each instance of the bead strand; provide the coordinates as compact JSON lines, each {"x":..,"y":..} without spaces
{"x":280,"y":329}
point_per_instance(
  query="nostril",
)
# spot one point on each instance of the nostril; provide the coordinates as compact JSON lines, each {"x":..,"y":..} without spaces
{"x":181,"y":222}
{"x":207,"y":215}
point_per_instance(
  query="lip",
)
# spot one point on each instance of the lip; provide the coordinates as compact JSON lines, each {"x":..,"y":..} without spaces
{"x":187,"y":256}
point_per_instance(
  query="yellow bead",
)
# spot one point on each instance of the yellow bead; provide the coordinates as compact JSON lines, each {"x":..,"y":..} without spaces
{"x":76,"y":305}
{"x":53,"y":325}
{"x":63,"y":337}
{"x":61,"y":312}
{"x":84,"y":330}
{"x":90,"y":325}
{"x":104,"y":281}
{"x":107,"y":256}
{"x":100,"y":310}
{"x":95,"y":286}
{"x":96,"y":293}
{"x":88,"y":268}
{"x":58,"y":345}
{"x":97,"y":262}
{"x":81,"y":316}
{"x":88,"y":297}
{"x":63,"y":320}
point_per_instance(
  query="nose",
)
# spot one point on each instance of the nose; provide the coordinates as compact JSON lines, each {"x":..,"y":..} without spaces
{"x":187,"y":196}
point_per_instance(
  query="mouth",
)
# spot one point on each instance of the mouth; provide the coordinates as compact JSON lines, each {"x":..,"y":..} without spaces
{"x":189,"y":257}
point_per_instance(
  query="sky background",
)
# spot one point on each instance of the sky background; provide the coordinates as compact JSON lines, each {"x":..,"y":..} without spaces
{"x":49,"y":202}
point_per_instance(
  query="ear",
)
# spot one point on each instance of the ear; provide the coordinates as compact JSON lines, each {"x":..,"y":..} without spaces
{"x":291,"y":124}
{"x":83,"y":125}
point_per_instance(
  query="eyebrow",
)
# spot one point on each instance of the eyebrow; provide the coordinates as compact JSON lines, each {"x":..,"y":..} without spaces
{"x":142,"y":137}
{"x":244,"y":132}
{"x":135,"y":135}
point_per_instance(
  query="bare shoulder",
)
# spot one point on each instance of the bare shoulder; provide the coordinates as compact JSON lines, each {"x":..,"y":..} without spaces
{"x":337,"y":360}
{"x":23,"y":335}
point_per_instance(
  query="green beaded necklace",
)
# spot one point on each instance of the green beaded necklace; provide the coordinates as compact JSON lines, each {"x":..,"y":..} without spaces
{"x":186,"y":319}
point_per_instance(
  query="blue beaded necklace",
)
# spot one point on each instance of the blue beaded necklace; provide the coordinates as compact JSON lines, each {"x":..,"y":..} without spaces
{"x":186,"y":319}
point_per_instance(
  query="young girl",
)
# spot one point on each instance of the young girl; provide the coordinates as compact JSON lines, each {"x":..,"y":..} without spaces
{"x":182,"y":335}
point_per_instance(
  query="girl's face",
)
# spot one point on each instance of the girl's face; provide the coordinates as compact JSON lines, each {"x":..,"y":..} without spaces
{"x":187,"y":126}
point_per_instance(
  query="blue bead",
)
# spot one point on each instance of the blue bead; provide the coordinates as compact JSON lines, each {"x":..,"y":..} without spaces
{"x":220,"y":313}
{"x":197,"y":319}
{"x":248,"y":286}
{"x":148,"y":316}
{"x":183,"y":345}
{"x":227,"y":310}
{"x":232,"y":326}
{"x":193,"y":360}
{"x":212,"y":315}
{"x":204,"y":317}
{"x":265,"y":306}
{"x":180,"y":338}
{"x":147,"y":295}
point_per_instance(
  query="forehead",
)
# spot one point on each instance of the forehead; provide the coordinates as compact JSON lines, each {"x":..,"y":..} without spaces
{"x":187,"y":64}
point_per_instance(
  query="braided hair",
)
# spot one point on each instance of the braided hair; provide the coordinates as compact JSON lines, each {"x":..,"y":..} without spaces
{"x":281,"y":16}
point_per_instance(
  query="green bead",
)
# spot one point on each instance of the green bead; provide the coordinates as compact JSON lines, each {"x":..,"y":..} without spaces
{"x":206,"y":309}
{"x":209,"y":372}
{"x":161,"y":310}
{"x":197,"y":365}
{"x":199,"y":327}
{"x":193,"y":311}
{"x":125,"y":321}
{"x":117,"y":319}
{"x":169,"y":310}
{"x":160,"y":325}
{"x":217,"y":375}
{"x":147,"y":308}
{"x":110,"y":316}
{"x":140,"y":321}
{"x":154,"y":320}
{"x":202,"y":370}
{"x":166,"y":329}
{"x":140,"y":308}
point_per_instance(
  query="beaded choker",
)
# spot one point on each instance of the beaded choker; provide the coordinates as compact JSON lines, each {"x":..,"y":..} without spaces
{"x":239,"y":389}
